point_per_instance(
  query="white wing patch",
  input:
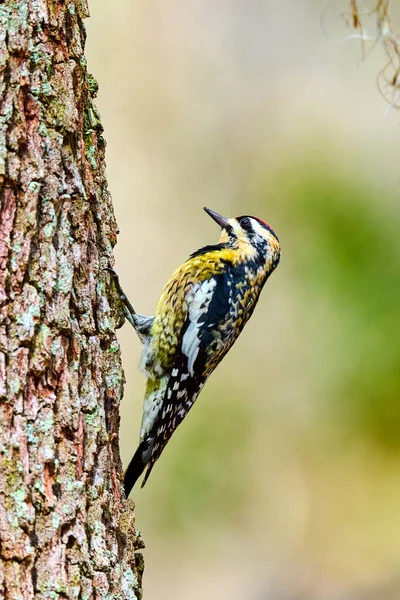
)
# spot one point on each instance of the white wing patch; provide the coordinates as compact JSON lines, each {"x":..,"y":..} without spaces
{"x":198,"y":306}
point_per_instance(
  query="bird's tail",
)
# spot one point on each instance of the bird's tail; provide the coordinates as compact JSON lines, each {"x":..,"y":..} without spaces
{"x":136,"y":466}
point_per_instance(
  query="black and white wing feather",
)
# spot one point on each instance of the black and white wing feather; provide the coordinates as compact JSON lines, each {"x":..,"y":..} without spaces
{"x":202,"y":345}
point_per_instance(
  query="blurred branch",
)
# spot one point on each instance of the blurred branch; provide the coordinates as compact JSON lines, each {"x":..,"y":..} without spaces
{"x":389,"y":77}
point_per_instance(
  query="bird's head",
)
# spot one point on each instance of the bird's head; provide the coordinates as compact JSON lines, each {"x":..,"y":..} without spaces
{"x":249,"y":235}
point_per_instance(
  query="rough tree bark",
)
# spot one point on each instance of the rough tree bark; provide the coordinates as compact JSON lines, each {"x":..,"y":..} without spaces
{"x":66,"y":530}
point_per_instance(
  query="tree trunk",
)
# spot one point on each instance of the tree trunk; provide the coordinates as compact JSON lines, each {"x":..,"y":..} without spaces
{"x":66,"y":530}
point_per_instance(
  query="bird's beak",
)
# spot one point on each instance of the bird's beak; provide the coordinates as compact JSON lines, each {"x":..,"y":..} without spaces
{"x":222,"y":221}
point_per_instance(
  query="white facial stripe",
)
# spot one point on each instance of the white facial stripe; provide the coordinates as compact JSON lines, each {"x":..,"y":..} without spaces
{"x":235,"y":226}
{"x":238,"y":230}
{"x":259,"y":229}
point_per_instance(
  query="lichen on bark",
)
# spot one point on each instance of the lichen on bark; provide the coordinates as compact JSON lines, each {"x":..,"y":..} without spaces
{"x":66,"y":530}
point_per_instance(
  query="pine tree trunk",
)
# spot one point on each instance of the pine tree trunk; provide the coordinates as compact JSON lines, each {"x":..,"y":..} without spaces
{"x":66,"y":530}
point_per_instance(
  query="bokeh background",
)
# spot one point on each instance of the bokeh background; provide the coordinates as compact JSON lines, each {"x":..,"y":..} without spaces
{"x":284,"y":482}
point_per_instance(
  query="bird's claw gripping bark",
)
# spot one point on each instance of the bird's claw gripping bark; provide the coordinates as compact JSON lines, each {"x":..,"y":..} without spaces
{"x":128,"y":311}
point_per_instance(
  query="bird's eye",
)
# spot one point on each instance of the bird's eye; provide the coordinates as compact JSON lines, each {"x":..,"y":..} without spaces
{"x":245,"y":223}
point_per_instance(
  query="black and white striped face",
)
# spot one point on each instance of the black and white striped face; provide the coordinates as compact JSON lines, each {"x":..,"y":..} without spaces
{"x":246,"y":230}
{"x":252,"y":230}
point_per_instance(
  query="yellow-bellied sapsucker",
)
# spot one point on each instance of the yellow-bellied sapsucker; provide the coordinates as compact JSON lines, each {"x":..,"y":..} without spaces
{"x":200,"y":314}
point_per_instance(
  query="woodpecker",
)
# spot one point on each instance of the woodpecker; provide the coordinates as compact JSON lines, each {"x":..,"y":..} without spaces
{"x":199,"y":316}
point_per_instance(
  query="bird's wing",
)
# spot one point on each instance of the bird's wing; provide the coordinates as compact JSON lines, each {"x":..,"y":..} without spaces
{"x":201,"y":346}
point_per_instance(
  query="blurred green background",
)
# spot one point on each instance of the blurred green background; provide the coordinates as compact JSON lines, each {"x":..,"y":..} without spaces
{"x":284,"y":481}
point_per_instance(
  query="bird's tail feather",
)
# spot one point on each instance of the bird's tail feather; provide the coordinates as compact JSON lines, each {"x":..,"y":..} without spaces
{"x":136,"y":466}
{"x":145,"y":478}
